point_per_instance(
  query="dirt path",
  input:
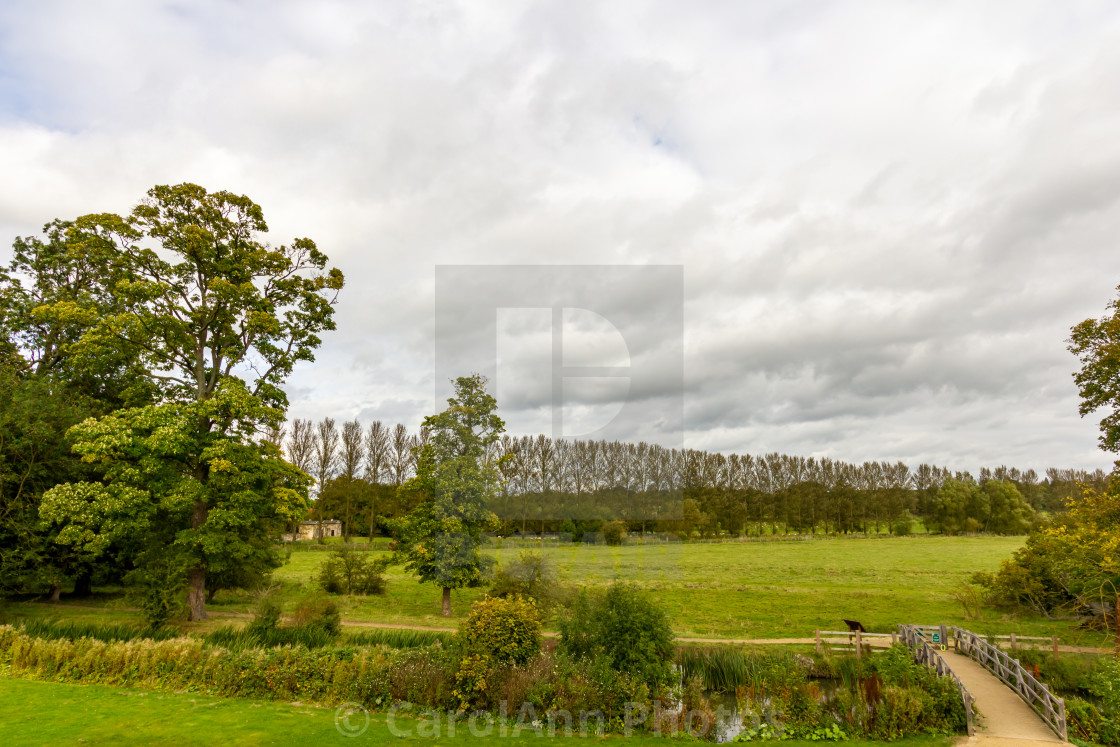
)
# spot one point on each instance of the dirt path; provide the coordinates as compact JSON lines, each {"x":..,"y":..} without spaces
{"x":832,"y":641}
{"x":1003,"y":714}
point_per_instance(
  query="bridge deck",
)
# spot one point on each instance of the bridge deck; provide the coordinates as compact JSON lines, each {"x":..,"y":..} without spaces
{"x":1002,"y":712}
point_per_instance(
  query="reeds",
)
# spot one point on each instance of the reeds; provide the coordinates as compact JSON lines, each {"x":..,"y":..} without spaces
{"x":240,"y":639}
{"x":72,"y":630}
{"x":725,"y":669}
{"x":397,"y":638}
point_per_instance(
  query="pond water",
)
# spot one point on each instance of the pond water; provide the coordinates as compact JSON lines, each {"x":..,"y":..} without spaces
{"x":729,"y":722}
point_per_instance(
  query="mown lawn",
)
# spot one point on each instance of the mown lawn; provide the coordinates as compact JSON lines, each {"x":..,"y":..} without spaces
{"x":720,"y":590}
{"x":41,"y":713}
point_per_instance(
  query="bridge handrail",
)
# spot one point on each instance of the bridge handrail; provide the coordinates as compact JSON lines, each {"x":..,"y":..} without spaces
{"x":1050,"y":708}
{"x":924,"y":653}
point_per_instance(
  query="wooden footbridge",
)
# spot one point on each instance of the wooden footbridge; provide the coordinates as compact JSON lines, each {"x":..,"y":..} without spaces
{"x":1001,"y":698}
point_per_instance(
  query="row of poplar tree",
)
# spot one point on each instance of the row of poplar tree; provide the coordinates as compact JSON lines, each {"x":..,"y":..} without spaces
{"x":553,"y":485}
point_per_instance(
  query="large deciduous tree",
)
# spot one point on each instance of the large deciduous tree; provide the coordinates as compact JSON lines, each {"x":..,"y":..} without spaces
{"x":1096,"y":343}
{"x":458,"y":477}
{"x":50,"y":298}
{"x":200,"y":305}
{"x":151,"y":459}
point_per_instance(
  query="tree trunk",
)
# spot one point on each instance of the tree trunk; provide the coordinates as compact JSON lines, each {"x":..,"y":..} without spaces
{"x":446,"y":601}
{"x":56,"y":590}
{"x":196,"y":594}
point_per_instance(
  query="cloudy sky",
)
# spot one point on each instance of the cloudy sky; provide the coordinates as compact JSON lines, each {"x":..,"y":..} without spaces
{"x":887,"y":215}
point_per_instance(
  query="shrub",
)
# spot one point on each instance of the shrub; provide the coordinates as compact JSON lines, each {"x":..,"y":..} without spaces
{"x":614,"y":532}
{"x":421,"y":675}
{"x":503,"y":630}
{"x":160,"y":586}
{"x":266,"y":617}
{"x":497,"y":631}
{"x":627,"y":629}
{"x":330,"y":577}
{"x":531,"y":576}
{"x":318,"y":613}
{"x":349,"y":571}
{"x":903,"y":524}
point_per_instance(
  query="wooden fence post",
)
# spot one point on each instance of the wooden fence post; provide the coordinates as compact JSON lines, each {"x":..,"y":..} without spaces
{"x":859,"y":645}
{"x":1012,"y":640}
{"x":818,"y":641}
{"x":1055,"y":647}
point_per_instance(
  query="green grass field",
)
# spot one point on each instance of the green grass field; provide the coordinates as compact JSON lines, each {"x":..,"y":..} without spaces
{"x":41,"y":713}
{"x":771,"y":589}
{"x":740,"y":589}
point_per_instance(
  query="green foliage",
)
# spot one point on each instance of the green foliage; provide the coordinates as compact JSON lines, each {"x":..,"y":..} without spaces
{"x":626,"y":629}
{"x":725,"y":668}
{"x":186,"y":296}
{"x":996,"y":507}
{"x":1068,"y":563}
{"x":266,"y":617}
{"x":248,"y":638}
{"x":503,"y":630}
{"x":398,"y":638}
{"x":614,"y":532}
{"x":159,"y":467}
{"x":72,"y":630}
{"x":319,"y":613}
{"x":498,"y":631}
{"x":284,"y":673}
{"x":439,"y":541}
{"x":765,"y":731}
{"x":531,"y":576}
{"x":903,"y":524}
{"x":159,"y":585}
{"x":350,"y":571}
{"x":970,"y":596}
{"x":35,"y":413}
{"x":1096,"y":343}
{"x":1105,"y":684}
{"x":315,"y":623}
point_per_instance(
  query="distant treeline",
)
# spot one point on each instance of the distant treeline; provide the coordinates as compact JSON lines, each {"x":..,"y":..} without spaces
{"x":574,"y":486}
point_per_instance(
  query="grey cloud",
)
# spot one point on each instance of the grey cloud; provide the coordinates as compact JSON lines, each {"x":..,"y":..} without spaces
{"x":888,"y":217}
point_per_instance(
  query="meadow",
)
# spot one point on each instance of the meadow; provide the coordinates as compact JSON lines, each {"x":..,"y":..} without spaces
{"x":771,"y":589}
{"x":736,"y":590}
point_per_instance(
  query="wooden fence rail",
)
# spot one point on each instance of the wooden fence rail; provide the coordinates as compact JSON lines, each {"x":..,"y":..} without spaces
{"x":924,"y":653}
{"x":1010,"y":672}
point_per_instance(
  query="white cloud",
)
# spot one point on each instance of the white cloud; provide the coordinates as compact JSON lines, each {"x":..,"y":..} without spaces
{"x":888,"y":215}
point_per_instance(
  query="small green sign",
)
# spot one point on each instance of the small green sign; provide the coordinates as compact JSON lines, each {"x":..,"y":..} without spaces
{"x":937,"y":637}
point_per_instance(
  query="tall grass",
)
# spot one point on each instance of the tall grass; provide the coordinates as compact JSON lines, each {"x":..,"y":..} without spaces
{"x":724,"y":669}
{"x":72,"y":630}
{"x":397,"y":638}
{"x":240,"y":639}
{"x":288,"y":673}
